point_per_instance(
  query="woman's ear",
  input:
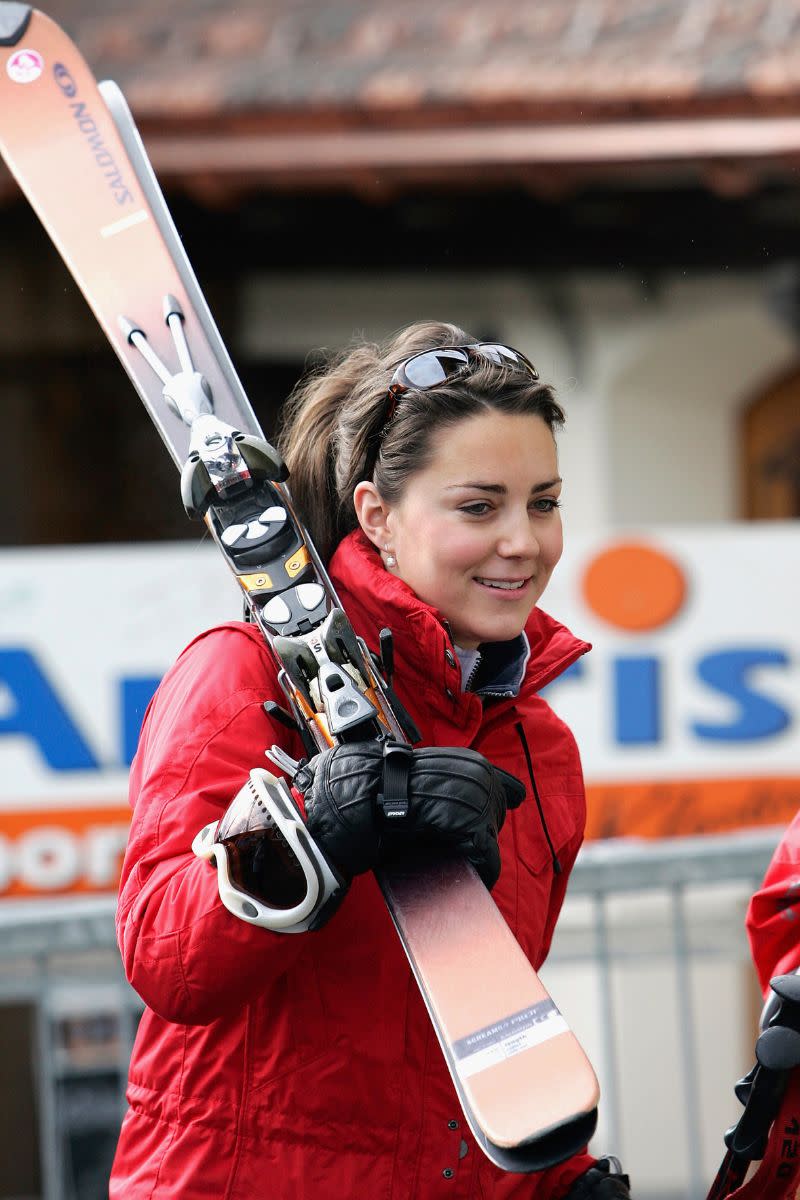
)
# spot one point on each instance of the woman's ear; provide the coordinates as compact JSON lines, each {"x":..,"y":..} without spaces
{"x":372,"y":512}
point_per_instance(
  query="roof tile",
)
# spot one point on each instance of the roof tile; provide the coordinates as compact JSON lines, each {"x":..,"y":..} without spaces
{"x":548,"y":57}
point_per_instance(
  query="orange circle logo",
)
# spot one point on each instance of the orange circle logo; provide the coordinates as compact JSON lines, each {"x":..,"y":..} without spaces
{"x":634,"y":587}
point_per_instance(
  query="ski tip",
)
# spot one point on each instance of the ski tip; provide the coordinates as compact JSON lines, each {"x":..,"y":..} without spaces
{"x":14,"y":20}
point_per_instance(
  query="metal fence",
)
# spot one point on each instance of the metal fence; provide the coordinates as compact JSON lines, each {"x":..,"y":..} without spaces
{"x":650,"y":964}
{"x":60,"y":968}
{"x":652,"y":958}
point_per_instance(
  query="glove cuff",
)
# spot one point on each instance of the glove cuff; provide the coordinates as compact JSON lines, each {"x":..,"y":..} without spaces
{"x":604,"y":1181}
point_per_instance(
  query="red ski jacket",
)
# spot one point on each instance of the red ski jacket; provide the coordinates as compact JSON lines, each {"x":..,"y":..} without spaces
{"x":773,"y":916}
{"x":299,"y":1066}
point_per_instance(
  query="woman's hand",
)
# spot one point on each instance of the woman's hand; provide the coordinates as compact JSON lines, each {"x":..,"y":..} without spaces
{"x":369,"y":802}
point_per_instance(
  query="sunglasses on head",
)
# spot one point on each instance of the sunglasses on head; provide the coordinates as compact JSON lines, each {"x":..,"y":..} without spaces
{"x":432,"y":368}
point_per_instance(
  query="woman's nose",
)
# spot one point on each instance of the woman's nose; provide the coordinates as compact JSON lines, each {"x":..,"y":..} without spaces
{"x":518,"y":539}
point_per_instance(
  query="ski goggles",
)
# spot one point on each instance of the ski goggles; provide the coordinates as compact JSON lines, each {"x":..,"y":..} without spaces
{"x":269,"y":871}
{"x":432,"y":368}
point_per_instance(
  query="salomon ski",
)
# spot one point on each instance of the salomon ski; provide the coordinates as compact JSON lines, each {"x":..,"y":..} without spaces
{"x":530,"y":1096}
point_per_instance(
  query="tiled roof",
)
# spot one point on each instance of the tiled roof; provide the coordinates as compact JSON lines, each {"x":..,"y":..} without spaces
{"x":378,"y":95}
{"x":418,"y":61}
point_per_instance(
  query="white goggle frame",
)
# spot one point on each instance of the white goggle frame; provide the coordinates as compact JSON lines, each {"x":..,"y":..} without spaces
{"x":322,"y":883}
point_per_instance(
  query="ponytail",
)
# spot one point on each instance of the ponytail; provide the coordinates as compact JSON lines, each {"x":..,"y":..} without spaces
{"x":325,"y":425}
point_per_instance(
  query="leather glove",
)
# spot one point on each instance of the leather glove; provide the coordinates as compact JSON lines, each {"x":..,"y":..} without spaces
{"x":603,"y":1181}
{"x":448,"y":800}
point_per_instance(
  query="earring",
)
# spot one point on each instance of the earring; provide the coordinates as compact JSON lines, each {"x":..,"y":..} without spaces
{"x":391,"y":561}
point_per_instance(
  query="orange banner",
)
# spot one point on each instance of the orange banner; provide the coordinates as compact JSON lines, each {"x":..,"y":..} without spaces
{"x":687,"y":807}
{"x":46,"y":852}
{"x":52,"y":851}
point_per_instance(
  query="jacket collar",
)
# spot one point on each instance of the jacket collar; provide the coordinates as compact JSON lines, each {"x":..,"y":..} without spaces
{"x":495,"y":668}
{"x":374,"y":599}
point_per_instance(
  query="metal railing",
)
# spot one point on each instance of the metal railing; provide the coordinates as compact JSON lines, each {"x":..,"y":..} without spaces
{"x":675,"y":909}
{"x":671,"y":907}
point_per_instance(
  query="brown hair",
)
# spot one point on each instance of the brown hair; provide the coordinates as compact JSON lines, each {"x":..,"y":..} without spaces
{"x":335,"y":414}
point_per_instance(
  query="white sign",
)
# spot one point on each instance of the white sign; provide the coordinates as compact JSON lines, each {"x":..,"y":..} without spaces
{"x":688,"y":705}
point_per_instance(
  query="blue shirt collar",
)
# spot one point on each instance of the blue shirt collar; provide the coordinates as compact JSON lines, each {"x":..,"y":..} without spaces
{"x":495,"y":668}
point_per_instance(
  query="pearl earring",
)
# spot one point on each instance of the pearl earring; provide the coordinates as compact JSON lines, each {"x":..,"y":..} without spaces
{"x":391,"y":561}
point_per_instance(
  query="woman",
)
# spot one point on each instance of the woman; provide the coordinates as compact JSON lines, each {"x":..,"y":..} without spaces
{"x":299,"y":1066}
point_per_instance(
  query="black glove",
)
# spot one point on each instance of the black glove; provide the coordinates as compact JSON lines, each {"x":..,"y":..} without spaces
{"x":603,"y":1181}
{"x":455,"y":803}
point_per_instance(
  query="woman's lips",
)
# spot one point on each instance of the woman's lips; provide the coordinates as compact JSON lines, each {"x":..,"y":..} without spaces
{"x":503,"y":587}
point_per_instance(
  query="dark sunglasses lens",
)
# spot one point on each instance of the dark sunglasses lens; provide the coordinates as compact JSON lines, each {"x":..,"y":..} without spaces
{"x":260,"y":862}
{"x":504,"y":356}
{"x":434,"y":367}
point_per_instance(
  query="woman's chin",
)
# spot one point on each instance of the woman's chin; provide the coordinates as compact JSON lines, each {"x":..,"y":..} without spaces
{"x":491,"y":631}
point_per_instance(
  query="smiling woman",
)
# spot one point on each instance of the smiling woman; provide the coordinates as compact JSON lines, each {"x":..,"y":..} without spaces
{"x":477,"y":532}
{"x":427,"y":473}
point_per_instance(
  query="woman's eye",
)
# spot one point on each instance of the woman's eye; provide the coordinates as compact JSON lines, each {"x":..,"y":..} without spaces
{"x":546,"y":504}
{"x":478,"y":509}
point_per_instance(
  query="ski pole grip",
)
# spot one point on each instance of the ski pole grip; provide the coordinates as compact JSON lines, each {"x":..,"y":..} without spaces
{"x":783,"y":1006}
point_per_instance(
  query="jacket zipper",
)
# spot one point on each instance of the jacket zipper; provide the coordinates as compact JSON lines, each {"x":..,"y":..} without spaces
{"x":467,"y":684}
{"x":537,"y":798}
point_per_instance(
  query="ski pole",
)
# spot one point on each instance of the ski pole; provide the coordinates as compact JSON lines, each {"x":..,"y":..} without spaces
{"x":753,"y":1139}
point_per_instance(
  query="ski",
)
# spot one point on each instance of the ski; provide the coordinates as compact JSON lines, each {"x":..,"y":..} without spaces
{"x":528,"y":1091}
